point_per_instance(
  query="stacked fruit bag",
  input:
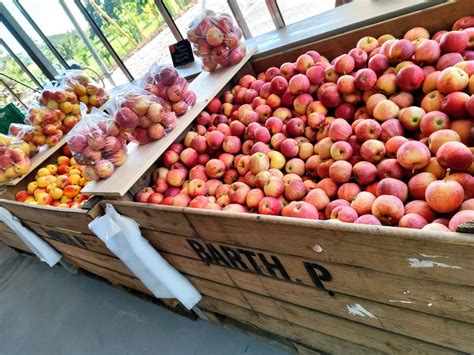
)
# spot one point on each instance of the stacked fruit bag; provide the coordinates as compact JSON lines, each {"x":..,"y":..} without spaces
{"x":14,"y":160}
{"x":58,"y":184}
{"x":142,"y":115}
{"x":380,"y":135}
{"x":217,"y":39}
{"x":165,"y":82}
{"x":98,"y":143}
{"x":87,"y":90}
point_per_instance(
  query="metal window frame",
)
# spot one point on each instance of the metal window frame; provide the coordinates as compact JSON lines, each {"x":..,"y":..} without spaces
{"x":169,"y":20}
{"x":20,"y":63}
{"x":98,"y":32}
{"x":239,"y":17}
{"x":275,"y":13}
{"x":86,"y":41}
{"x":45,"y":39}
{"x":27,"y":43}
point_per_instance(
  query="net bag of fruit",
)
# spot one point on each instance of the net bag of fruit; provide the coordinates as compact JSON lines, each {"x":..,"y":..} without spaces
{"x":144,"y":116}
{"x":98,"y":143}
{"x":24,"y":133}
{"x":14,"y":162}
{"x":165,"y":82}
{"x":87,"y":89}
{"x":217,"y":39}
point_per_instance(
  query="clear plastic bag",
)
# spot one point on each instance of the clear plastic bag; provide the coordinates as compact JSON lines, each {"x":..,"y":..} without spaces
{"x":97,"y":142}
{"x":14,"y":160}
{"x":123,"y":237}
{"x":144,"y":116}
{"x":217,"y":39}
{"x":24,"y":133}
{"x":87,"y":90}
{"x":165,"y":82}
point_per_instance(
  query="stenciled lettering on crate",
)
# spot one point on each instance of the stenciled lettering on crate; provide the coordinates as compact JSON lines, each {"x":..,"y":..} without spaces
{"x":252,"y":261}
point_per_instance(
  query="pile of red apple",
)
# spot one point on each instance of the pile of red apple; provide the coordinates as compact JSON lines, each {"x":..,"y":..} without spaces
{"x":86,"y":89}
{"x":217,"y":40}
{"x":382,"y":135}
{"x":99,"y":144}
{"x":166,"y":83}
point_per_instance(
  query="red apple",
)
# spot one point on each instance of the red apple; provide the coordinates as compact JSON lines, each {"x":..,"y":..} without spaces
{"x":444,"y":196}
{"x":388,"y":209}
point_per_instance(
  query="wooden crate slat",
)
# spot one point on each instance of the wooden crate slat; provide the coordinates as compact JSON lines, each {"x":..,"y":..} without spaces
{"x":140,"y":158}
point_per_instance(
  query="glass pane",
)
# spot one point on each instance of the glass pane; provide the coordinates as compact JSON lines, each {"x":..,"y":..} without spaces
{"x":135,"y":29}
{"x":25,"y":25}
{"x":184,"y":11}
{"x":257,"y":16}
{"x":297,"y":10}
{"x":67,"y":40}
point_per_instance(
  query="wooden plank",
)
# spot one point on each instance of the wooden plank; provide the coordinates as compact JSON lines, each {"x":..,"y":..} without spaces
{"x":436,"y":298}
{"x":38,"y":159}
{"x":440,"y":17}
{"x":10,"y":239}
{"x":377,"y":339}
{"x":68,"y":218}
{"x":449,"y":333}
{"x":140,"y":158}
{"x":288,"y":330}
{"x":430,"y":255}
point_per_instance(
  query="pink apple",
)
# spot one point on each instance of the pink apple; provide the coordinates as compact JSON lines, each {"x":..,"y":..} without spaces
{"x":388,"y":209}
{"x":413,"y":155}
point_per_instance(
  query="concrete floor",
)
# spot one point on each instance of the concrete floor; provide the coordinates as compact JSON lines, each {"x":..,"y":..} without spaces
{"x":51,"y":311}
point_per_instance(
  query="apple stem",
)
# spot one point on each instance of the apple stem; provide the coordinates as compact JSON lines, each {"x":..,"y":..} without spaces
{"x":447,"y":174}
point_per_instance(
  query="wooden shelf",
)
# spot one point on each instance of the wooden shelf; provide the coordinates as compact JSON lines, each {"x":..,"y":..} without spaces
{"x":38,"y":159}
{"x":140,"y":158}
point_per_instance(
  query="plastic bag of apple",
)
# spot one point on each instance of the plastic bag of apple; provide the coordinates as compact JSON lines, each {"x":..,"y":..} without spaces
{"x":25,"y":134}
{"x":380,"y":135}
{"x":165,"y":82}
{"x":14,"y":160}
{"x":142,"y":115}
{"x":98,"y":143}
{"x":57,"y":184}
{"x":87,"y":90}
{"x":217,"y":40}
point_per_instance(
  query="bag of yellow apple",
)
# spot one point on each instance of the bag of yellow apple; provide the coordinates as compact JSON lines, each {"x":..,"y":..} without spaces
{"x":13,"y":160}
{"x":25,"y":133}
{"x":165,"y":82}
{"x":87,"y":89}
{"x":142,"y":115}
{"x":98,"y":143}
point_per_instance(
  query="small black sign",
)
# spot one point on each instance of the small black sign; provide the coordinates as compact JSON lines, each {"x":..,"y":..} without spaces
{"x":181,"y":53}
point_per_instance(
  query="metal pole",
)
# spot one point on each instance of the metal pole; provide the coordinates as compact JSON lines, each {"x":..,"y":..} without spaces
{"x":103,"y":39}
{"x":41,"y":34}
{"x":239,"y":17}
{"x":27,"y":43}
{"x":275,"y":12}
{"x":87,"y":42}
{"x":13,"y":93}
{"x":20,"y":63}
{"x":169,"y":20}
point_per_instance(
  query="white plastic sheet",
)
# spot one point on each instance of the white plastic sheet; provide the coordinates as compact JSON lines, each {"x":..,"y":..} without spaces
{"x":123,"y":238}
{"x":37,"y":245}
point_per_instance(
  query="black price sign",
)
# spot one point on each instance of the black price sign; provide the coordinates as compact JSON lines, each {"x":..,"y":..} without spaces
{"x":181,"y":53}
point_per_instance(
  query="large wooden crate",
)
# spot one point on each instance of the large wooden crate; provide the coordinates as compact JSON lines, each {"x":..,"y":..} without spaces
{"x":332,"y":287}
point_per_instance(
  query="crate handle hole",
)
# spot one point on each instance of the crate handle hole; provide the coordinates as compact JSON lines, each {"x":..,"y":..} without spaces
{"x":317,"y":248}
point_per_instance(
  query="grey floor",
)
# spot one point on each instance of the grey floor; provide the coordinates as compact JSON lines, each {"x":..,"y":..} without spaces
{"x":51,"y":311}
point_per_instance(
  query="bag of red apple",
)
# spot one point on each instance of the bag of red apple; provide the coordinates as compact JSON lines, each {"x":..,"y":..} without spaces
{"x":55,"y":96}
{"x":165,"y":82}
{"x":98,"y":143}
{"x":87,"y":89}
{"x":14,"y":160}
{"x":217,"y":39}
{"x":25,"y":134}
{"x":144,"y":116}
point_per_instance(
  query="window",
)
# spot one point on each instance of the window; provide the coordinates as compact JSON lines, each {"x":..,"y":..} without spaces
{"x":136,"y":31}
{"x":297,"y":10}
{"x":257,"y":16}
